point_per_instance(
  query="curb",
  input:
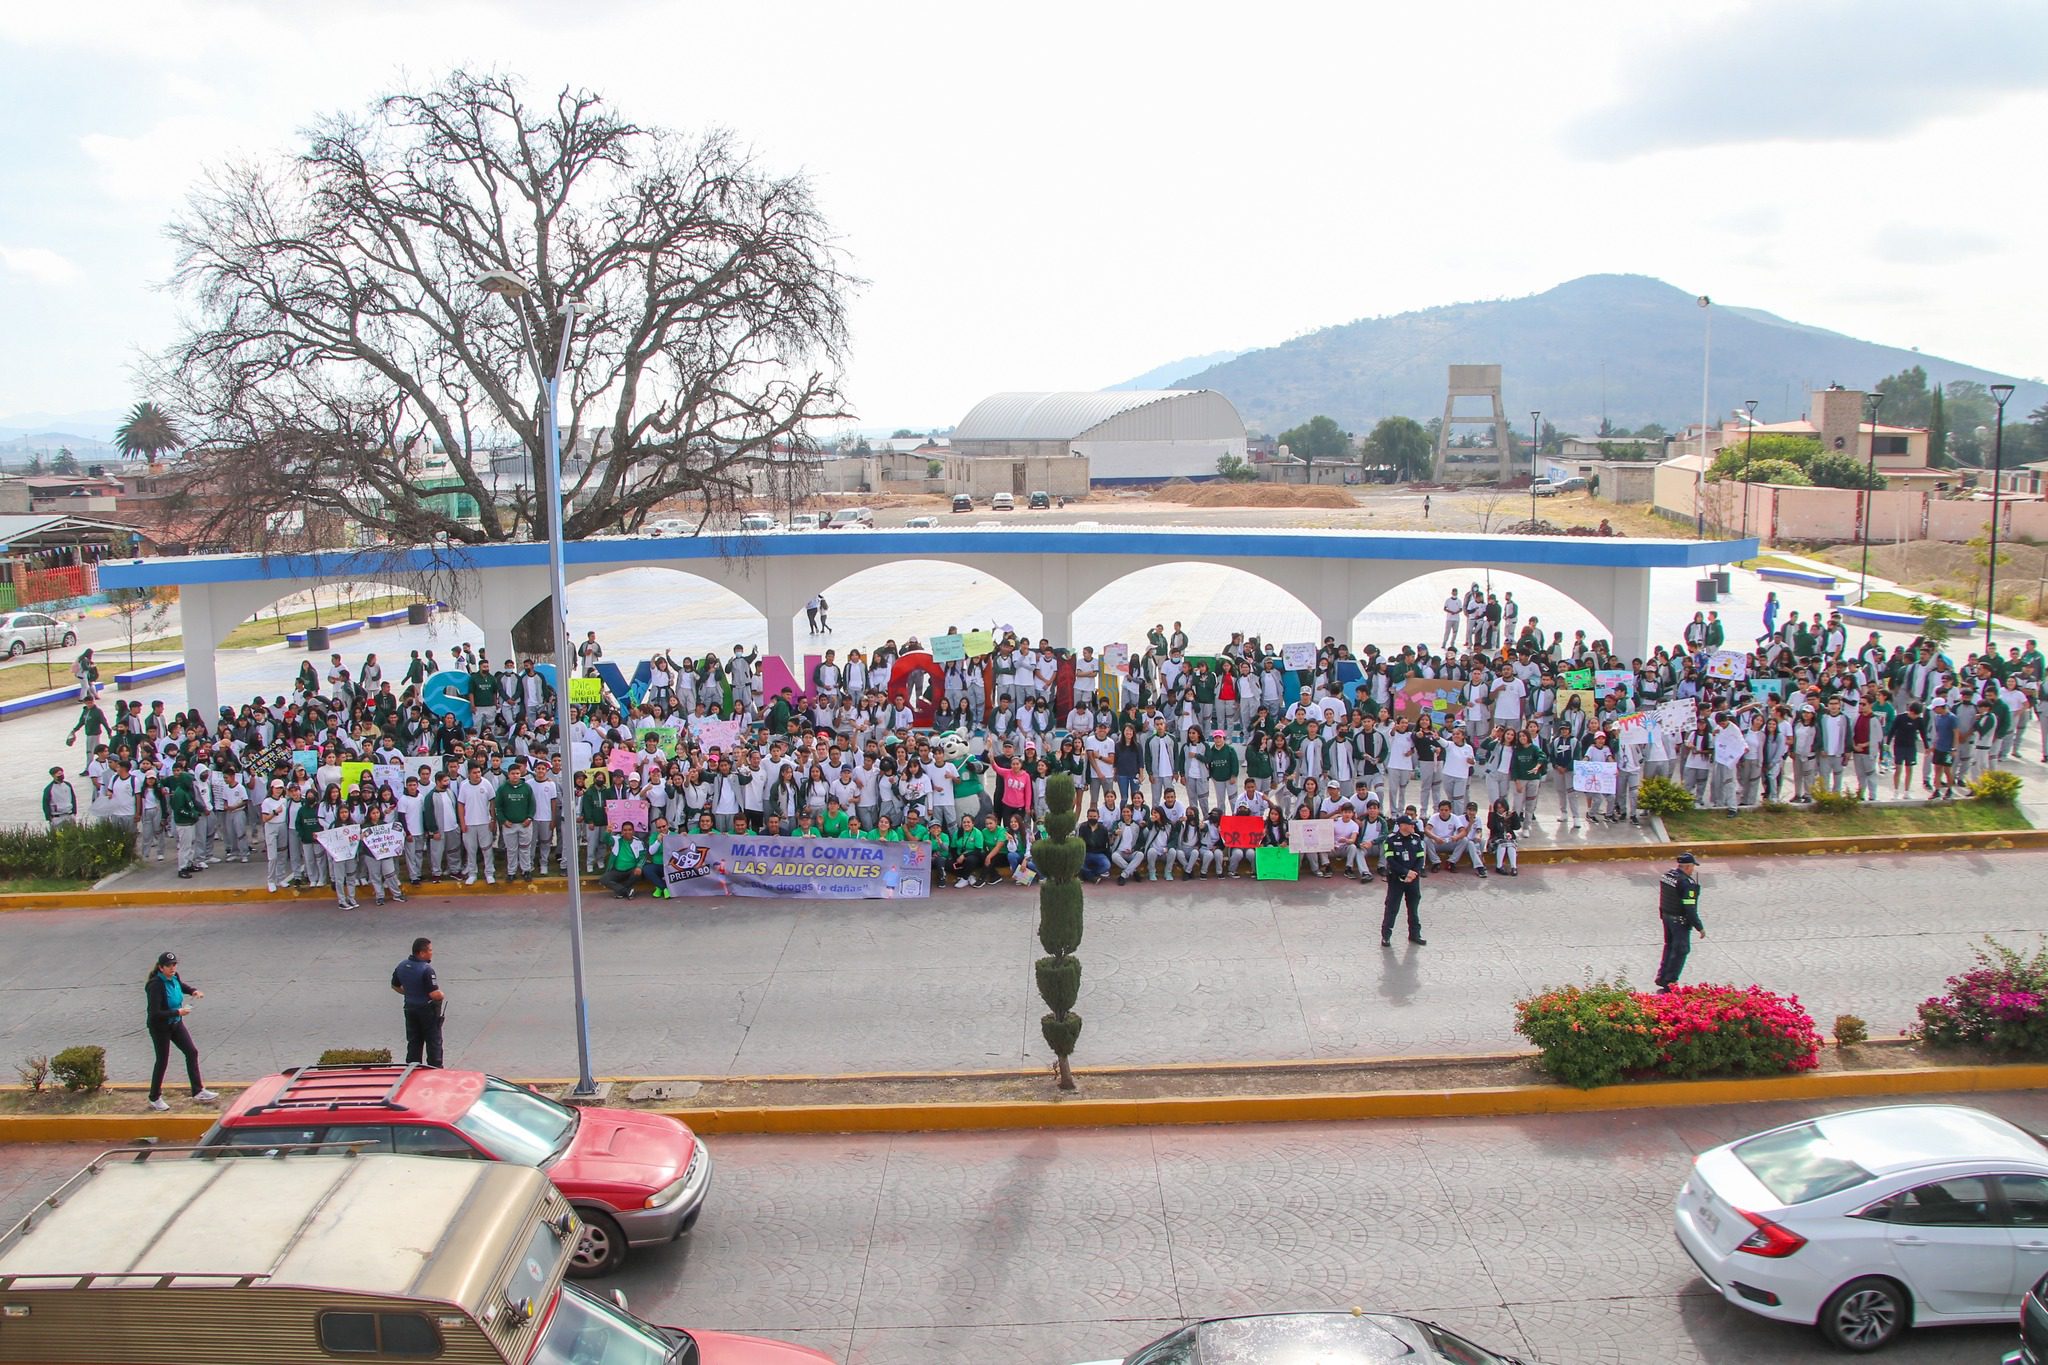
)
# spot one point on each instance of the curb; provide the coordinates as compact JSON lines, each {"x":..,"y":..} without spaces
{"x":1592,"y":853}
{"x":991,"y":1115}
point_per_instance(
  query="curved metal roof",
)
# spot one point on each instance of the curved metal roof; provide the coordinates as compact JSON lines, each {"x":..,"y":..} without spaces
{"x":1054,"y":416}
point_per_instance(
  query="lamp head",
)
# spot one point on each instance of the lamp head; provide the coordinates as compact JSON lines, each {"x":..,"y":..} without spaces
{"x":1704,"y":301}
{"x":504,"y":284}
{"x":1999,"y":393}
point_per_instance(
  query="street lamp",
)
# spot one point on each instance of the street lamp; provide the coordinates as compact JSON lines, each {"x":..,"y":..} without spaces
{"x":1875,"y":399}
{"x":1699,"y":479}
{"x":518,"y":294}
{"x":1999,"y":394}
{"x":1748,"y":448}
{"x":1535,"y":450}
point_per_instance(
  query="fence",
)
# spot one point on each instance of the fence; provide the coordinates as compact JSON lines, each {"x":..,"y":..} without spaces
{"x":56,"y":585}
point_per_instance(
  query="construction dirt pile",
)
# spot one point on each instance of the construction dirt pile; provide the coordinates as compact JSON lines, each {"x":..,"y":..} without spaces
{"x":1251,"y":495}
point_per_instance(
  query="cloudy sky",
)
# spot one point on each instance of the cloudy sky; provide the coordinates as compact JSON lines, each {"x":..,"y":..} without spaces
{"x":1063,"y":196}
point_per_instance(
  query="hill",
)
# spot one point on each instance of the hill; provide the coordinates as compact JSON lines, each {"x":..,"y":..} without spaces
{"x":1553,"y":347}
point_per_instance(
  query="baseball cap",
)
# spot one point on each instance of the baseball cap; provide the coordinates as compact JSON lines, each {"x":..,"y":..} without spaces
{"x":1687,"y":858}
{"x":166,"y":959}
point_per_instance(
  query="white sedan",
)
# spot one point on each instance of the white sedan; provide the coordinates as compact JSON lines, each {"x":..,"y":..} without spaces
{"x":1868,"y":1222}
{"x":1353,"y":1338}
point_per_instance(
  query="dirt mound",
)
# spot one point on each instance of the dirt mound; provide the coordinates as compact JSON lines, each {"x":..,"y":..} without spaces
{"x":1251,"y":495}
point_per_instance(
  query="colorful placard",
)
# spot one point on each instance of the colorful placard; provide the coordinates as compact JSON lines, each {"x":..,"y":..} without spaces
{"x":1279,"y":865}
{"x":664,"y":738}
{"x":352,"y":773}
{"x":1298,"y":656}
{"x":618,"y":812}
{"x":383,"y":841}
{"x":1312,"y":836}
{"x":949,"y":648}
{"x":979,"y":642}
{"x":586,"y":691}
{"x":1243,"y":831}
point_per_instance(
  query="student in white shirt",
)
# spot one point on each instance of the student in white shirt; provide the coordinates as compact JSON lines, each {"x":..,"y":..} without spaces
{"x":473,"y":799}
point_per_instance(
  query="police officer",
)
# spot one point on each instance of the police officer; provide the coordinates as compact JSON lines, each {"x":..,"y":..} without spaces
{"x":1402,"y":861}
{"x":1678,"y":905}
{"x":425,"y":1008}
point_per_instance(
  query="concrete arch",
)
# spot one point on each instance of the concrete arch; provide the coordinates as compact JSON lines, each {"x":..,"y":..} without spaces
{"x":1217,"y":598}
{"x":638,"y":620}
{"x":954,"y":591}
{"x":1607,"y":604}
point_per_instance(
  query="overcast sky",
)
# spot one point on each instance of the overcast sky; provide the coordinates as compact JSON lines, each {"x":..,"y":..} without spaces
{"x":1063,"y":196}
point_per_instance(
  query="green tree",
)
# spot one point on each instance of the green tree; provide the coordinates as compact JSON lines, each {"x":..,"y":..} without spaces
{"x":148,"y":433}
{"x":1937,"y":433}
{"x":1908,"y":399}
{"x":1059,"y":856}
{"x":1774,"y":446}
{"x":1403,"y":445}
{"x":902,"y":433}
{"x":1234,"y":469}
{"x":1779,"y":472}
{"x":66,"y":462}
{"x":1319,"y":438}
{"x":1651,"y":431}
{"x":1840,"y":469}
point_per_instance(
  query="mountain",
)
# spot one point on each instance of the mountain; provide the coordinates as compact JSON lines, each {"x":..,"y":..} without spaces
{"x":1624,"y":345}
{"x":1161,"y":377}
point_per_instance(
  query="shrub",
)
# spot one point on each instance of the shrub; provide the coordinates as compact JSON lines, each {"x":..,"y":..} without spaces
{"x":34,"y":1073}
{"x":85,"y":851}
{"x":355,"y":1056}
{"x":1729,"y":1030}
{"x":2000,"y":1005}
{"x":1996,"y":787}
{"x":1589,"y":1035}
{"x":1835,"y":803}
{"x":1661,"y":797}
{"x":1849,"y":1031}
{"x":80,"y":1068}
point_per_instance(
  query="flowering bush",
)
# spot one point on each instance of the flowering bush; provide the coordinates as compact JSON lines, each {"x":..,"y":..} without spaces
{"x":2000,"y":1005}
{"x":1604,"y":1032}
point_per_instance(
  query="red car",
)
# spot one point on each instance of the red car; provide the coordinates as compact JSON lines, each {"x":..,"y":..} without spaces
{"x":634,"y":1179}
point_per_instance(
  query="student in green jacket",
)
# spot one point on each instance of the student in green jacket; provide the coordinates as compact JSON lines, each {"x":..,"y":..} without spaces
{"x":622,"y":862}
{"x":835,"y":823}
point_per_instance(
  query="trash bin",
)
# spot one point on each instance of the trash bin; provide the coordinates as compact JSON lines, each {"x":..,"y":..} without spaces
{"x":415,"y":613}
{"x":1721,"y":580}
{"x":316,"y":639}
{"x":1704,"y":590}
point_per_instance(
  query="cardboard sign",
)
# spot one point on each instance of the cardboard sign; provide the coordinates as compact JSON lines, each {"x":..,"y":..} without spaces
{"x":1576,"y":679}
{"x":306,"y":760}
{"x":1675,"y":718}
{"x":585,"y":691}
{"x":978,"y":643}
{"x":352,"y":773}
{"x":713,"y":733}
{"x":1297,"y":656}
{"x":340,"y":842}
{"x":1117,"y":657}
{"x":388,"y":777}
{"x":1439,"y":698}
{"x":383,"y":841}
{"x":1587,"y":701}
{"x":1242,"y":831}
{"x":1312,"y":836}
{"x":949,"y":648}
{"x":664,"y":736}
{"x":1593,"y":777}
{"x":1730,"y":747}
{"x":1766,"y":688}
{"x":1728,"y":666}
{"x":1279,"y":865}
{"x":617,"y":813}
{"x":623,"y":761}
{"x":1607,"y":680}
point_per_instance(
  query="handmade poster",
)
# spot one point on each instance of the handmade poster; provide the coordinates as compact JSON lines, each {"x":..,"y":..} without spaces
{"x":1675,"y":718}
{"x":1730,"y":748}
{"x":383,"y":841}
{"x":1243,"y":831}
{"x":584,"y":691}
{"x":1440,"y":698}
{"x":979,"y":642}
{"x":949,"y":648}
{"x":1607,"y":680}
{"x":810,"y":869}
{"x":1587,"y":701}
{"x":664,"y":737}
{"x":306,"y":760}
{"x":1117,"y":657}
{"x":352,"y":773}
{"x":1312,"y":836}
{"x":1279,"y":865}
{"x":1762,"y":688}
{"x":618,"y":812}
{"x":623,"y":761}
{"x":1576,"y":679}
{"x":277,"y":756}
{"x":1728,"y":666}
{"x":1633,"y":727}
{"x":713,"y":733}
{"x":1593,"y":777}
{"x":388,"y":777}
{"x":340,"y":842}
{"x":1298,"y":656}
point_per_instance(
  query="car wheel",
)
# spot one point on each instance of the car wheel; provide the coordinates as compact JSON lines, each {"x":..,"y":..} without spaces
{"x":17,"y":649}
{"x":600,"y":1246}
{"x":70,"y":638}
{"x":1865,"y":1314}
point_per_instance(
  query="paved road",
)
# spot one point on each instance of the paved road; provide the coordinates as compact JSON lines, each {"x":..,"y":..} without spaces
{"x":1190,"y":971}
{"x":1546,"y":1237}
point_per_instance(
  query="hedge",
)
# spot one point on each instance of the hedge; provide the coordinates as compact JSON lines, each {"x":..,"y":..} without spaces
{"x":83,"y":851}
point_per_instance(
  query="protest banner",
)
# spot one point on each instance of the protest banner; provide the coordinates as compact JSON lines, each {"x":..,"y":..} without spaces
{"x":1312,"y":836}
{"x":1592,"y":777}
{"x":664,"y":738}
{"x":949,"y":648}
{"x":276,"y":759}
{"x":340,"y":842}
{"x":810,"y":869}
{"x":584,"y":691}
{"x":978,"y":643}
{"x":383,"y":841}
{"x":1440,"y":698}
{"x":1297,"y":656}
{"x":352,"y":773}
{"x":618,"y":812}
{"x":1279,"y":865}
{"x":1243,"y":831}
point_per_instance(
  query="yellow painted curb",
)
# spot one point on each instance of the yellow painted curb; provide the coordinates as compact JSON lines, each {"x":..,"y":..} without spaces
{"x":110,"y":1130}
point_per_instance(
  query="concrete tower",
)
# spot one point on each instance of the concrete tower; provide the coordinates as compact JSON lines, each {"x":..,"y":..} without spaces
{"x":1474,"y":464}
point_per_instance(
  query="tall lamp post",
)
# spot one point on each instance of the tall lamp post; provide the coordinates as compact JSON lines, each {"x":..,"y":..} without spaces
{"x":1535,"y":452}
{"x":519,"y":295}
{"x":1699,"y":480}
{"x":1999,"y":394}
{"x":1748,"y":449}
{"x":1875,"y":400}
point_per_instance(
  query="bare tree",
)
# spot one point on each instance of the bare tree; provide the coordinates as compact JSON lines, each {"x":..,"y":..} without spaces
{"x":343,"y":360}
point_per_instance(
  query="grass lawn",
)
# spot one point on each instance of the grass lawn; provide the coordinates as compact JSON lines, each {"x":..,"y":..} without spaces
{"x":1771,"y":562}
{"x":16,"y":885}
{"x":267,"y":629}
{"x":1801,"y":822}
{"x":20,"y":680}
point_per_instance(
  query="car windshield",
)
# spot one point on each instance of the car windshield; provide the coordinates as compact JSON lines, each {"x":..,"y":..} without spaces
{"x":588,"y":1331}
{"x":1799,"y":1164}
{"x":516,"y":1125}
{"x":1326,"y":1338}
{"x":1456,"y":1349}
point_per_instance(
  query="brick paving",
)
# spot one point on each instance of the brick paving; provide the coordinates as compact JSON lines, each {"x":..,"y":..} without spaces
{"x":1546,"y":1237}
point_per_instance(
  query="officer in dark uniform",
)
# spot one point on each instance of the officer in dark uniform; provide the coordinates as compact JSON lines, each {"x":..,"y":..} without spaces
{"x":425,"y":1008}
{"x":1402,"y":861}
{"x":1678,"y":905}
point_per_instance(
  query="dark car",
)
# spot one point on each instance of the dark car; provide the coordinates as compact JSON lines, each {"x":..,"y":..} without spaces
{"x":2033,"y":1327}
{"x":962,"y":503}
{"x":1353,"y":1338}
{"x":1038,"y":502}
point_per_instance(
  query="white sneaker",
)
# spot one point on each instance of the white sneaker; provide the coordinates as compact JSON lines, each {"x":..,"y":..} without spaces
{"x":205,"y":1097}
{"x":273,"y":888}
{"x":469,"y":881}
{"x":159,"y":1105}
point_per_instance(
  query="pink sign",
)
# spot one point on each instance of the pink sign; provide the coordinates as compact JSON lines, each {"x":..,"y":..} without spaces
{"x":775,"y":676}
{"x":623,"y":761}
{"x":617,"y":813}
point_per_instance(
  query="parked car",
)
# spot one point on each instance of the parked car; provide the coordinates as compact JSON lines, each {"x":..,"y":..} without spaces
{"x":759,"y":521}
{"x":26,"y":630}
{"x":634,"y":1179}
{"x":671,"y":526}
{"x":1868,"y":1222}
{"x":1038,"y":501}
{"x":806,"y":521}
{"x":921,"y":523}
{"x":1002,"y":502}
{"x":847,"y":517}
{"x":1339,"y":1338}
{"x":962,"y":503}
{"x":1544,"y":488}
{"x":1551,"y":487}
{"x":2033,"y":1327}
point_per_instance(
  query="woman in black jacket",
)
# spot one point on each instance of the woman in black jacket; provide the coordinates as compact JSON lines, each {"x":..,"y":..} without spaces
{"x":167,"y":994}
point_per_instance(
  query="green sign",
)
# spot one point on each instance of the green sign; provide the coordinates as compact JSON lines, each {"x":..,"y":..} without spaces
{"x":583,"y":691}
{"x":1279,"y":865}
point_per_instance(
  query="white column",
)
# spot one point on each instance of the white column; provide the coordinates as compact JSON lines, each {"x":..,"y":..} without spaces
{"x":199,"y":612}
{"x":779,"y":596}
{"x":1631,"y":617}
{"x":1055,"y":601}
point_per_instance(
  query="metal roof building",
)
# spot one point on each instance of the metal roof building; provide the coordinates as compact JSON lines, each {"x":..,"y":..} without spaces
{"x":1127,"y":435}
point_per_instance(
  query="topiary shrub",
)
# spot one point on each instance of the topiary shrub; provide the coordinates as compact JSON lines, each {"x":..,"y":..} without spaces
{"x":1663,"y":798}
{"x":1059,"y":855}
{"x":355,"y":1056}
{"x":80,"y":1068}
{"x":1731,"y":1031}
{"x":1996,"y":787}
{"x":2000,"y":1005}
{"x":86,"y":850}
{"x":1588,"y":1035}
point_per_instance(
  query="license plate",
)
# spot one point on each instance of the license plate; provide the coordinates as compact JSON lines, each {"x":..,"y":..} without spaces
{"x":1706,"y":1217}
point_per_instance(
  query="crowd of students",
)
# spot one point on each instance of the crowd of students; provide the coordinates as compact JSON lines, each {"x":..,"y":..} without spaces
{"x":1161,"y":748}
